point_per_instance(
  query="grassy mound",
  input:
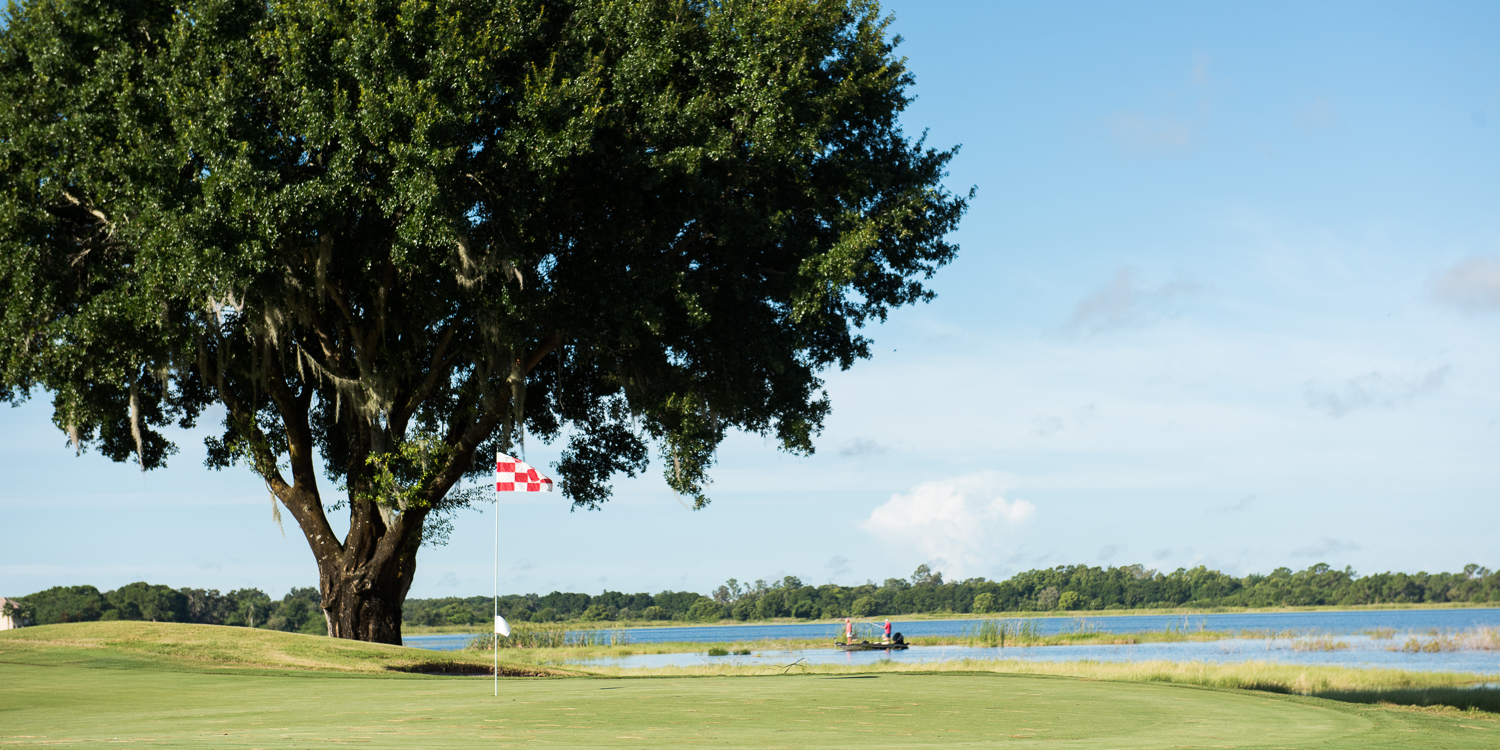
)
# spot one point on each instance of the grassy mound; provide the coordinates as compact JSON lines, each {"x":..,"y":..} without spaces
{"x":215,"y":648}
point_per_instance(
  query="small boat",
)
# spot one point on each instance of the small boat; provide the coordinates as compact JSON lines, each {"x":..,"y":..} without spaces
{"x":868,"y":646}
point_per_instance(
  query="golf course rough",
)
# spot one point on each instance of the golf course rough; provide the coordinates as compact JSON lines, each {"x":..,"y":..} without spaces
{"x":75,"y":706}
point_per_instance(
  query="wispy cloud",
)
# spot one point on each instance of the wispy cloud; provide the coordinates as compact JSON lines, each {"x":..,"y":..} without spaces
{"x":1108,"y":551}
{"x":862,"y":447}
{"x":1047,"y":425}
{"x":954,"y":519}
{"x":1472,"y":285}
{"x":1324,"y":546}
{"x":838,"y":565}
{"x":1123,"y":302}
{"x":1241,"y":504}
{"x":1375,"y":390}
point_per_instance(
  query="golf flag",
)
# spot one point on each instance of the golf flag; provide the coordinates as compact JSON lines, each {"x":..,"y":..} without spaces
{"x":512,"y":475}
{"x":501,"y":626}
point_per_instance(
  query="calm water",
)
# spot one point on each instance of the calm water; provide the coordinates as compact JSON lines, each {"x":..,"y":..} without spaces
{"x":1362,"y":652}
{"x":1267,"y":623}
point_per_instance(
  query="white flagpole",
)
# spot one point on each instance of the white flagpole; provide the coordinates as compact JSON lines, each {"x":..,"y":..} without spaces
{"x":496,"y":636}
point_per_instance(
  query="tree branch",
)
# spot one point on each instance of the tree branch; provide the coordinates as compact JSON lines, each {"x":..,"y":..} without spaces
{"x":96,"y":213}
{"x":542,"y":350}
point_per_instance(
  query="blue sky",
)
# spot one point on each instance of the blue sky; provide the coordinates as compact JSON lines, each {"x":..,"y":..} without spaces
{"x":1229,"y":295}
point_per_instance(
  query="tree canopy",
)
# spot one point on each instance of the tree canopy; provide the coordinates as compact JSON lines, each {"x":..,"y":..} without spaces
{"x":401,"y":236}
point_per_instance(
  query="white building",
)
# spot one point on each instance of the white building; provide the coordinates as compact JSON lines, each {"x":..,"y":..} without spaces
{"x":6,"y":623}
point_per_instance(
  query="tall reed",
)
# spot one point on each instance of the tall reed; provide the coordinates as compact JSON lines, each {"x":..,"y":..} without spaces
{"x":994,"y":632}
{"x":1482,"y":638}
{"x":545,"y":635}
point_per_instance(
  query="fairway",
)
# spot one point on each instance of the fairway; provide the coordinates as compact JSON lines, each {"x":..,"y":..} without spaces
{"x":69,"y":706}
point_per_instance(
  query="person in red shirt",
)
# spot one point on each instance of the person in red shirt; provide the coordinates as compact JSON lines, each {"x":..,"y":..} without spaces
{"x":887,"y":638}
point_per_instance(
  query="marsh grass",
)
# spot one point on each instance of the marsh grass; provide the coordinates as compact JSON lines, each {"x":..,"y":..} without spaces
{"x":539,"y":636}
{"x":997,"y":633}
{"x":1483,"y":638}
{"x":1319,"y":643}
{"x":1270,"y":635}
{"x":1006,"y":633}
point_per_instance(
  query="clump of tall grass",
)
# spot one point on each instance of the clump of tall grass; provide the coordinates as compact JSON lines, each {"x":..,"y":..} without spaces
{"x":544,"y":635}
{"x":1320,"y":643}
{"x":993,"y":632}
{"x":1381,"y":634}
{"x":1186,"y":626}
{"x":1483,"y":638}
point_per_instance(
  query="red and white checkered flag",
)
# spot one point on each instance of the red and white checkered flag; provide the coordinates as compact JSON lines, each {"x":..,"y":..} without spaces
{"x":512,"y":475}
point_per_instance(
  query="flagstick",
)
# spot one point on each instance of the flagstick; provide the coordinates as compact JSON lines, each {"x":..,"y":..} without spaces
{"x":496,"y":636}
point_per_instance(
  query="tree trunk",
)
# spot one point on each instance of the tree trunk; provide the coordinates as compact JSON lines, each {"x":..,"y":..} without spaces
{"x":364,"y":588}
{"x":358,"y":608}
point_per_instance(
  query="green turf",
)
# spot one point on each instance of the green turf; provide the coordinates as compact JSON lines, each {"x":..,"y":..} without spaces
{"x":65,"y":706}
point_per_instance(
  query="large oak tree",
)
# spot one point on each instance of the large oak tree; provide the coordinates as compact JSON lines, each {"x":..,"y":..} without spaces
{"x":398,"y":235}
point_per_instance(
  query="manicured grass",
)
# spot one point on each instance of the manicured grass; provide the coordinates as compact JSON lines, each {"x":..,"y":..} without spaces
{"x":73,"y":707}
{"x":139,"y":685}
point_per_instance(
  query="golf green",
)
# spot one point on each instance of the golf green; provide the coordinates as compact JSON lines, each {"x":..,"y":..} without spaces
{"x":66,"y":706}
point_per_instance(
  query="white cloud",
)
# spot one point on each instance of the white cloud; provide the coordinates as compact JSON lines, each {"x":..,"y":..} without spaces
{"x":1325,"y":546}
{"x":1375,"y":390}
{"x":1050,"y":424}
{"x":1243,"y":503}
{"x":862,"y":447}
{"x":1472,"y":285}
{"x":1124,"y":303}
{"x":956,"y":519}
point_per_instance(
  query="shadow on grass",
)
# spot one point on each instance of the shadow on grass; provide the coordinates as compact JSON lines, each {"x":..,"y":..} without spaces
{"x":457,"y":669}
{"x":1463,"y":698}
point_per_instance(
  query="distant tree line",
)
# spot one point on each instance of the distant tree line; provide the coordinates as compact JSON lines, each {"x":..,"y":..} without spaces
{"x":1063,"y":588}
{"x":297,"y":612}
